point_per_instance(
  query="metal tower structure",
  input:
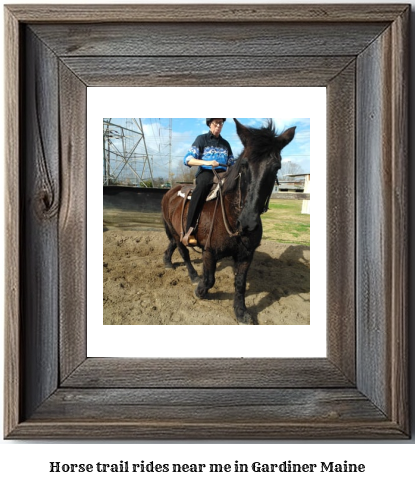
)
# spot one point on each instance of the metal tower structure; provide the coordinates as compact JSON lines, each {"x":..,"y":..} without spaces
{"x":126,"y":160}
{"x":170,"y":149}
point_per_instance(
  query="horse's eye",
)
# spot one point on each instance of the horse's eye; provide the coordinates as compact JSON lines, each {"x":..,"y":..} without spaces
{"x":276,"y":161}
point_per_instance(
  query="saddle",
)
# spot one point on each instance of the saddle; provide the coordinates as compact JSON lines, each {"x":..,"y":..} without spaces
{"x":186,"y":191}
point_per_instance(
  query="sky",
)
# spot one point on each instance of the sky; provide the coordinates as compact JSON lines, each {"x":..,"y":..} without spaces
{"x":185,"y":130}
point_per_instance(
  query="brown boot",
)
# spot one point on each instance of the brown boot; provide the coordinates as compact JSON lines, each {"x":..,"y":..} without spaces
{"x":188,"y":239}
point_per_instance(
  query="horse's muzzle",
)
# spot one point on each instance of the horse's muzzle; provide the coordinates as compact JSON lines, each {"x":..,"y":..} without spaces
{"x":247,"y":225}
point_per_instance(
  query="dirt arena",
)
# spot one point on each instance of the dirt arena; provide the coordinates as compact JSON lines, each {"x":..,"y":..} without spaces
{"x":139,"y":290}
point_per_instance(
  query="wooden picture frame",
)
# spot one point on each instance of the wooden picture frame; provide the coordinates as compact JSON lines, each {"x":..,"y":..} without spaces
{"x":360,"y":53}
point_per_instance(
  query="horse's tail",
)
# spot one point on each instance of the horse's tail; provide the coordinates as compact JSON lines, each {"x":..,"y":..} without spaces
{"x":165,"y":202}
{"x":167,"y":228}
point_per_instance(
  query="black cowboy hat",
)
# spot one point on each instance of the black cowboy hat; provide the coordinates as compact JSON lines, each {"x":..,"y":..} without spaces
{"x":209,"y":121}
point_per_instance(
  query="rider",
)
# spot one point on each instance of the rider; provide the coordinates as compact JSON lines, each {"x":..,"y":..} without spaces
{"x":208,"y":151}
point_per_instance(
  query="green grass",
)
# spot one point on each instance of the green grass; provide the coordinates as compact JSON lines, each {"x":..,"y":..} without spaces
{"x":285,"y":223}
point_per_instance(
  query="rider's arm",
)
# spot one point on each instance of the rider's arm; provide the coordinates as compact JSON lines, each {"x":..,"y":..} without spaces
{"x":200,"y":162}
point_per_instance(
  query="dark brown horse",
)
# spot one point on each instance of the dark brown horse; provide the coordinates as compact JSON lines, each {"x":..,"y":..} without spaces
{"x":247,"y":188}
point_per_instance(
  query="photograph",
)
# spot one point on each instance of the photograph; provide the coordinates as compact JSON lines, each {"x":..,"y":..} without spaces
{"x":206,"y":221}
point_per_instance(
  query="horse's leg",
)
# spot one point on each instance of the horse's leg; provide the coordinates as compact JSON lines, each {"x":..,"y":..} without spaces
{"x":208,"y":279}
{"x":184,"y":252}
{"x":168,"y":253}
{"x":241,"y":312}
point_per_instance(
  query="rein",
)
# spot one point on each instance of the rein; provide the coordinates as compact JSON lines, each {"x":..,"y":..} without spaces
{"x":225,"y":220}
{"x":240,"y":207}
{"x":266,"y":206}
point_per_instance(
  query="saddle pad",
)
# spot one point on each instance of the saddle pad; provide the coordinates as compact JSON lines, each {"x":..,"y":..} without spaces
{"x":182,"y":195}
{"x":212,"y":195}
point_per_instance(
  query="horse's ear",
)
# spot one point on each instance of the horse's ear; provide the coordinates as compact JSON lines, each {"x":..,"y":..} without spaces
{"x":286,"y":137}
{"x":242,"y":131}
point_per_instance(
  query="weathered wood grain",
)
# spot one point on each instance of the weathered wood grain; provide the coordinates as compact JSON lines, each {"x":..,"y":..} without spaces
{"x":210,"y":405}
{"x":183,"y":71}
{"x":400,"y":206}
{"x":374,"y":206}
{"x":187,"y":430}
{"x":229,"y":39}
{"x":207,"y":373}
{"x":72,"y":222}
{"x":40,"y":207}
{"x":13,"y":269}
{"x":207,"y":13}
{"x":382,"y":143}
{"x":341,"y":235}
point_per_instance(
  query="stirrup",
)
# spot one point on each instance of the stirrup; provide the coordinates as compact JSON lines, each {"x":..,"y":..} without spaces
{"x":188,"y":239}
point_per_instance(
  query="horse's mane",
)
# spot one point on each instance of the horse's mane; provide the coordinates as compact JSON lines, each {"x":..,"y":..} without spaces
{"x":261,"y":144}
{"x":232,"y":175}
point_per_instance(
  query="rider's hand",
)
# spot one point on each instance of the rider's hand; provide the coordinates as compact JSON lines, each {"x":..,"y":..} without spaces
{"x":214,"y":163}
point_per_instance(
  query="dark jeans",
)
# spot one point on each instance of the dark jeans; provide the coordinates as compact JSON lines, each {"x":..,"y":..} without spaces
{"x":204,"y":183}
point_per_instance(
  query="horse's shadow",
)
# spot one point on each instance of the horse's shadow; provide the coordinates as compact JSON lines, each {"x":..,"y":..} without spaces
{"x":272,"y":278}
{"x":268,"y":277}
{"x":182,"y":264}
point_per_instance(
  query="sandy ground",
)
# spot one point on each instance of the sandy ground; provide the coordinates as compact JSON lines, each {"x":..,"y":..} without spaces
{"x":139,"y":290}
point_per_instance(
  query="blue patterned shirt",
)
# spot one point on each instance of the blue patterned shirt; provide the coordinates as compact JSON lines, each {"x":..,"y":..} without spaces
{"x":207,"y":147}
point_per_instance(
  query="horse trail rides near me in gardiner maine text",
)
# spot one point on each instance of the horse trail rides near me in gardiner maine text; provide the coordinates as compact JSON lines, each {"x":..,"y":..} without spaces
{"x":237,"y":467}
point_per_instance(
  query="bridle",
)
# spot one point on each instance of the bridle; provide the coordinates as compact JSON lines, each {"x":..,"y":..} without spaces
{"x":266,"y":206}
{"x":240,"y":206}
{"x":225,"y":220}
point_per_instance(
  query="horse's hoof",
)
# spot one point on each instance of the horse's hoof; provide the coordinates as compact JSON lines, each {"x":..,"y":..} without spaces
{"x":196,"y":280}
{"x":246,"y":319}
{"x":168,"y":266}
{"x":196,"y":295}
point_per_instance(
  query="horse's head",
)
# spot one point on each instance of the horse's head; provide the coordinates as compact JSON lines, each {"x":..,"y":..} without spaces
{"x":262,"y":151}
